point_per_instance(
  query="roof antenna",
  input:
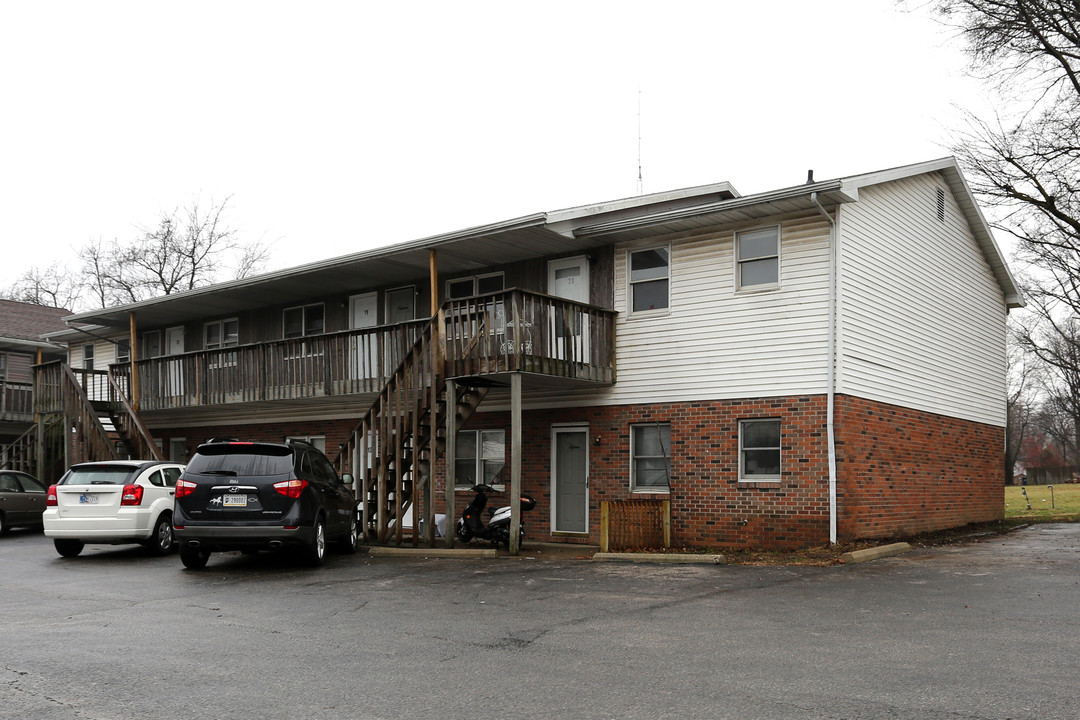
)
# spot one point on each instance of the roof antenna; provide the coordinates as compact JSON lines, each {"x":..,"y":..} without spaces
{"x":809,"y":177}
{"x":640,"y":182}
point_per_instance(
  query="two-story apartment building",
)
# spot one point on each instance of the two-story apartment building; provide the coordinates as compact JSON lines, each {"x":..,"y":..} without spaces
{"x":21,"y":327}
{"x":819,"y":362}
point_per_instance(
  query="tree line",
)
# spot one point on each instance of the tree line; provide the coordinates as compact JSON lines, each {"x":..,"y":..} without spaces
{"x":184,"y":249}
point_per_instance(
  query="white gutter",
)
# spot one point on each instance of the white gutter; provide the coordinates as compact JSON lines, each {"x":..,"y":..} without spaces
{"x":831,"y":382}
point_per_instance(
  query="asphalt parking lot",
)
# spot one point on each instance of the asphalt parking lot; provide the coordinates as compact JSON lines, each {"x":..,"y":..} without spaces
{"x":985,"y":630}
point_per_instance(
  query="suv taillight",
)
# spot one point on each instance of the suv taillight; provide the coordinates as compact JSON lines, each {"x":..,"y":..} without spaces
{"x":184,"y":487}
{"x":132,"y":495}
{"x":50,"y":497}
{"x":291,"y":488}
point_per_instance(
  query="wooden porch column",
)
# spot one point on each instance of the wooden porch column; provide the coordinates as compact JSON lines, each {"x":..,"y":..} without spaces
{"x":451,"y":461}
{"x":433,"y":273}
{"x":132,"y":358}
{"x":515,"y":463}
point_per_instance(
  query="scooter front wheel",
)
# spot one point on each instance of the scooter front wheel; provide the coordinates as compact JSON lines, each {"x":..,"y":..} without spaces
{"x":463,"y":532}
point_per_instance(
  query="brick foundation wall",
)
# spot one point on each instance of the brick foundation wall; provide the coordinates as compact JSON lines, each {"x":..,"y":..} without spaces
{"x":899,"y":471}
{"x":903,"y":471}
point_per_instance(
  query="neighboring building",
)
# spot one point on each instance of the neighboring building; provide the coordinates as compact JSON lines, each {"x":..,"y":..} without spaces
{"x":21,"y":347}
{"x":824,"y":361}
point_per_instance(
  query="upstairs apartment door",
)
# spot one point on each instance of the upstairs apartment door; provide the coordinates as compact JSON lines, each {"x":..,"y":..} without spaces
{"x":569,"y":278}
{"x":174,"y":345}
{"x":364,"y":313}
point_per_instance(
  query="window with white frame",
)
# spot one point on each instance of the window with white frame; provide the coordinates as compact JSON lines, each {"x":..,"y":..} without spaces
{"x":303,"y":320}
{"x":474,"y":285}
{"x":123,"y":351}
{"x":3,"y":366}
{"x":319,"y":441}
{"x":480,"y":458}
{"x":650,"y":457}
{"x":221,"y":333}
{"x":88,"y":356}
{"x":757,"y":258}
{"x":650,"y":272}
{"x":759,"y":450}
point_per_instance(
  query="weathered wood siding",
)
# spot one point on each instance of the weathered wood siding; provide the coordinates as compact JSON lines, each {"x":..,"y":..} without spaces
{"x":922,"y":319}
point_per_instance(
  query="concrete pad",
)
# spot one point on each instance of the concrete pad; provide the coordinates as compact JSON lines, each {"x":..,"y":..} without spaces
{"x":673,"y":558}
{"x":874,"y":553}
{"x":426,"y":552}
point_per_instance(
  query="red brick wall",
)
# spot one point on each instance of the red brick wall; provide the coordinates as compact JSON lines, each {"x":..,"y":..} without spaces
{"x":904,"y":471}
{"x":899,"y":471}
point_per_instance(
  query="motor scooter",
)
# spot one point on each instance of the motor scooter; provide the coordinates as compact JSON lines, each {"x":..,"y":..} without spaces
{"x":497,"y":530}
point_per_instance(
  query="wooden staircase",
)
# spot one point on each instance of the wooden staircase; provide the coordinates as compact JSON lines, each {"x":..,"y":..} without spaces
{"x":393,"y":450}
{"x":39,"y":451}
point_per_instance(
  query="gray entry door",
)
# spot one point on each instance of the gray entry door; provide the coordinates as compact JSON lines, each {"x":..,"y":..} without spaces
{"x":570,"y":511}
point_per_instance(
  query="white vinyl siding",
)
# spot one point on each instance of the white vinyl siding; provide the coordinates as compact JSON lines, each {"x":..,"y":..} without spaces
{"x":921,"y":317}
{"x":717,"y":343}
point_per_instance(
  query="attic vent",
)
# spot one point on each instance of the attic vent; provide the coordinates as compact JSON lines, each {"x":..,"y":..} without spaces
{"x":940,"y":205}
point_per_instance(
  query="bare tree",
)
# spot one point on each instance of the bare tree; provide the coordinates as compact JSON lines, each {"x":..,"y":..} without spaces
{"x":53,"y":286}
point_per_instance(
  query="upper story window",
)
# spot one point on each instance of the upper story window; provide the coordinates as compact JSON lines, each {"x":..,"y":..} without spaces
{"x":123,"y":351}
{"x":650,"y":271}
{"x":759,"y":450}
{"x":757,"y":258}
{"x":3,"y":366}
{"x":88,"y":356}
{"x":650,"y":453}
{"x":221,"y":333}
{"x":152,"y":344}
{"x":303,"y":320}
{"x":475,"y":285}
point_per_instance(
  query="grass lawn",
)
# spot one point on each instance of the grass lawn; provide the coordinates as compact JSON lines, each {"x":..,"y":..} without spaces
{"x":1064,"y":505}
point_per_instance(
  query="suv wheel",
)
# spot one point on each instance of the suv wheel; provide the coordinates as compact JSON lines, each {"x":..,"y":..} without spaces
{"x":68,"y":548}
{"x":161,"y":541}
{"x":193,"y":558}
{"x":350,"y":541}
{"x":315,"y":553}
{"x":4,"y":527}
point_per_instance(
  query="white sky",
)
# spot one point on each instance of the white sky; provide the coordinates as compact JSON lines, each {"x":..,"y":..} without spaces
{"x":341,"y":126}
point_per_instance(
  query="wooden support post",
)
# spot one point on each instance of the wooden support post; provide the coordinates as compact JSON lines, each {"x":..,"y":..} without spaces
{"x":666,"y":512}
{"x":451,"y":460}
{"x":134,"y":389}
{"x":605,"y":517}
{"x":515,"y":463}
{"x":433,"y":273}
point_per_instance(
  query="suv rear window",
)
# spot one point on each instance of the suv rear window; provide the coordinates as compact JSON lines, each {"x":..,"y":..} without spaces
{"x":241,"y":460}
{"x":98,"y":475}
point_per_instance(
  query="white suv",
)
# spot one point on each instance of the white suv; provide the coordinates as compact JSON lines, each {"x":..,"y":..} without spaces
{"x":113,"y":502}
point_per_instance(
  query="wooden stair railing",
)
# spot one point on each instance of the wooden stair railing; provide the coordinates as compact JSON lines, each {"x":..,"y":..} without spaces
{"x":393,"y":449}
{"x":91,"y":441}
{"x":129,"y":425}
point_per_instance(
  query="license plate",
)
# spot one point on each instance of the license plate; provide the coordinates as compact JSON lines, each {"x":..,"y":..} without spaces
{"x":88,"y":499}
{"x":235,"y":501}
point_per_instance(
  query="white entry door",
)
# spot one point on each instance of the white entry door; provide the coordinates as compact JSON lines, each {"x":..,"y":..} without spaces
{"x":569,"y":278}
{"x":570,"y":479}
{"x":364,"y":313}
{"x":174,"y":345}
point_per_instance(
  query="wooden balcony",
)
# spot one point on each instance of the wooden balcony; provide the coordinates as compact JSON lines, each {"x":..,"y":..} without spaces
{"x":508,"y":331}
{"x":16,"y":401}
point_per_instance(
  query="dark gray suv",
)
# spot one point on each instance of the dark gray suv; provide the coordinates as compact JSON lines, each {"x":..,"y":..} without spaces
{"x":253,"y":496}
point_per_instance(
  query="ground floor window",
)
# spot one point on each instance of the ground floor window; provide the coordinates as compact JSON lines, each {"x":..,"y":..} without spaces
{"x":319,"y":441}
{"x":650,"y":452}
{"x":759,"y":450}
{"x":480,"y":458}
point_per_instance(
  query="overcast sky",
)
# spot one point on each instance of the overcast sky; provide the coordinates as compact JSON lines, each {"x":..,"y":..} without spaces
{"x":340,"y":126}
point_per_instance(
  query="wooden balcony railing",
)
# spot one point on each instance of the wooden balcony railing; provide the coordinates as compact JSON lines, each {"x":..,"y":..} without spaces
{"x":342,"y":363}
{"x":16,"y":401}
{"x":51,"y":378}
{"x":515,"y":330}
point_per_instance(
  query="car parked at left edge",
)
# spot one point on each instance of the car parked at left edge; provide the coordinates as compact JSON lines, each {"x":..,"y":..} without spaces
{"x":22,"y":500}
{"x":113,"y":502}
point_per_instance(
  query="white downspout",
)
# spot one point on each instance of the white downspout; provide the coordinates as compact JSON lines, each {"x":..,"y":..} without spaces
{"x":831,"y":382}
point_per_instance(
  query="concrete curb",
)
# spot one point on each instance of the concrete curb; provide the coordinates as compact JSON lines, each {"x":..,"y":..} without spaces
{"x":875,"y":553}
{"x":670,"y":558}
{"x":454,"y":553}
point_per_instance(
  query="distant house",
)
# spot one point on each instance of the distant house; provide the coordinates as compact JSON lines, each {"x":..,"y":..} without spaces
{"x":818,"y":362}
{"x":21,"y":346}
